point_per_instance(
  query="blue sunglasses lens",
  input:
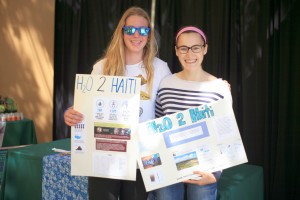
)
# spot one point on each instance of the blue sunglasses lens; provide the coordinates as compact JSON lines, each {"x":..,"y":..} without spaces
{"x":130,"y":30}
{"x":144,"y":31}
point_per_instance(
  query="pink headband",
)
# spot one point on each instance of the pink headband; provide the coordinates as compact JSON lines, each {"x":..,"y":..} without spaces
{"x":191,"y":28}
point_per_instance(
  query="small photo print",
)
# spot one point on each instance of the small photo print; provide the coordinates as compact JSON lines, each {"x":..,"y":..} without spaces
{"x":152,"y":177}
{"x":151,"y":161}
{"x":186,"y":160}
{"x":112,"y":132}
{"x":155,"y":177}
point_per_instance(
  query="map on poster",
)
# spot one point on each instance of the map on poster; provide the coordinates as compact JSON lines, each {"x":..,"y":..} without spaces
{"x":104,"y":143}
{"x":204,"y":138}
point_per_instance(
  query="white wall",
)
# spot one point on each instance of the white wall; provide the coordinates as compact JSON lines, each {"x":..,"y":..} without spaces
{"x":26,"y":59}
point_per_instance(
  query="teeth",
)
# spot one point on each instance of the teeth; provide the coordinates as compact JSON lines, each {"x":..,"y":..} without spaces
{"x":136,"y":42}
{"x":190,"y":61}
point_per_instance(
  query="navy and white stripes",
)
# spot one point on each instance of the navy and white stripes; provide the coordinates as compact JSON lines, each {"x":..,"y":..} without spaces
{"x":171,"y":100}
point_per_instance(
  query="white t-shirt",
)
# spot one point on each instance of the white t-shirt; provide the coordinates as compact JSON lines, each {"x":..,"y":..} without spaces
{"x":147,"y":104}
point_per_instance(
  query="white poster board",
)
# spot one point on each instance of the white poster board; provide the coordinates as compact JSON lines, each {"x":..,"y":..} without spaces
{"x":104,"y":143}
{"x":204,"y":138}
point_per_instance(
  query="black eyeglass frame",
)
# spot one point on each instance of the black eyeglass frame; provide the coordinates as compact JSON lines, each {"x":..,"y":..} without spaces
{"x":194,"y":50}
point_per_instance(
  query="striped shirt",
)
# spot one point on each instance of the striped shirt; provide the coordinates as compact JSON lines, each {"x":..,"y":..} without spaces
{"x":176,"y":95}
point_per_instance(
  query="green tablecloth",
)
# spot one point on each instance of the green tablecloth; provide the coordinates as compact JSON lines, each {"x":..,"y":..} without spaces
{"x":23,"y":171}
{"x":241,"y":182}
{"x":20,"y":132}
{"x":23,"y":175}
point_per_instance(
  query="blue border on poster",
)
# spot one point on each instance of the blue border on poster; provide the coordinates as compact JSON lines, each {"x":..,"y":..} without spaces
{"x":168,"y":142}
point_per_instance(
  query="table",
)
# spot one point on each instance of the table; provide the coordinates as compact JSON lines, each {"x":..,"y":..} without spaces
{"x":58,"y":183}
{"x":22,"y":178}
{"x":241,"y":182}
{"x":21,"y":132}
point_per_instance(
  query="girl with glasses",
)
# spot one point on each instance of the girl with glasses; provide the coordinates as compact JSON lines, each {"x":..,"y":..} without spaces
{"x":131,"y":52}
{"x":191,"y":87}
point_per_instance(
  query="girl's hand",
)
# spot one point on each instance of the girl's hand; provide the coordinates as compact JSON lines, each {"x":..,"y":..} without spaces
{"x":206,"y":178}
{"x":72,"y":117}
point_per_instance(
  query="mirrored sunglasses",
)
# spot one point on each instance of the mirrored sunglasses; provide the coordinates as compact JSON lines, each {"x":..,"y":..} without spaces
{"x":130,"y":30}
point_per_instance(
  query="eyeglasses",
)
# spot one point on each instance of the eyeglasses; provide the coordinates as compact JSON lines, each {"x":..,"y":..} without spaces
{"x":130,"y":30}
{"x":185,"y":49}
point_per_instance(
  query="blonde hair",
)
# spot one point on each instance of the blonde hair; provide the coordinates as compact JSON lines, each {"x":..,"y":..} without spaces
{"x":115,"y":53}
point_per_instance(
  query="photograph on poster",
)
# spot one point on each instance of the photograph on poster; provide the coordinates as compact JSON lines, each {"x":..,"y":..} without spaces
{"x":156,"y":177}
{"x":151,"y":161}
{"x":112,"y":132}
{"x":186,"y":160}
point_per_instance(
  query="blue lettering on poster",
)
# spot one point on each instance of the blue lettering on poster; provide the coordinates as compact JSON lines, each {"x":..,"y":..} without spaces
{"x":123,"y":85}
